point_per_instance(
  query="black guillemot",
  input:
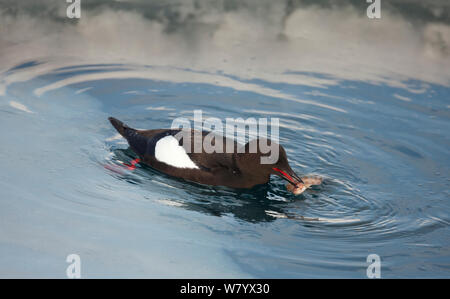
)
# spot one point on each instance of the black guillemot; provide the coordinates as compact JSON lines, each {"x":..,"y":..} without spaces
{"x":161,"y":150}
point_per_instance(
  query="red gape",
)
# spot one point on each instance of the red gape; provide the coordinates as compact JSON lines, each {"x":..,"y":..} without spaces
{"x":283,"y":173}
{"x":133,"y":164}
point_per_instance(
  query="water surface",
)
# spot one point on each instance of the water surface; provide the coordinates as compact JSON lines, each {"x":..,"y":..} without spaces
{"x":380,"y":139}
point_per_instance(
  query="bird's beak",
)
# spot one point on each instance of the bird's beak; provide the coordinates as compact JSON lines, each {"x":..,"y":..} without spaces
{"x":289,"y":175}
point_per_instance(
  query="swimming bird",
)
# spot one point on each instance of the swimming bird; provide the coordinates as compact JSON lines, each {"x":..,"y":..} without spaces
{"x":163,"y":150}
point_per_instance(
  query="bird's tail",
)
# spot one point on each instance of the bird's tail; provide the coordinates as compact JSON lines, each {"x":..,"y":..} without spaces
{"x":122,"y":128}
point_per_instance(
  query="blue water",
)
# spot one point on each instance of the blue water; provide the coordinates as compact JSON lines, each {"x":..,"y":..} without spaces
{"x":363,"y":103}
{"x":385,"y":162}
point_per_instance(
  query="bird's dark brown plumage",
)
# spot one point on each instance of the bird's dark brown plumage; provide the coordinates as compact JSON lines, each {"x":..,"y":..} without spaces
{"x":236,"y":170}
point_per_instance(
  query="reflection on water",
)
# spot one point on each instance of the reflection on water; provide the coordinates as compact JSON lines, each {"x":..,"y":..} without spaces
{"x":376,"y":129}
{"x":255,"y":205}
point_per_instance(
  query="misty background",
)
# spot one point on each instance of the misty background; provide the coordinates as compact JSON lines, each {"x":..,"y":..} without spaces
{"x":274,"y":41}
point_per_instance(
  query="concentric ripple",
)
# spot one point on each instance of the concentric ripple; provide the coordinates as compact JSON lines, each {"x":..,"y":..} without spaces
{"x":383,"y":187}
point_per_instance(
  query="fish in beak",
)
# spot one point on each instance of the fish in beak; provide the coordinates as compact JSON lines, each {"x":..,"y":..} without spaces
{"x":297,"y":185}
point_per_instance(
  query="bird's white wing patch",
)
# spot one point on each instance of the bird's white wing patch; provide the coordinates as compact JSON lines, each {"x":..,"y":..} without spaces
{"x":168,"y":150}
